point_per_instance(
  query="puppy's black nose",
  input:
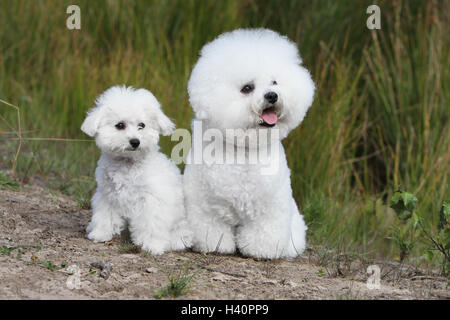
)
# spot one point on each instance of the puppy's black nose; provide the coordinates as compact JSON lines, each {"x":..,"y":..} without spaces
{"x":271,"y":97}
{"x":135,"y":143}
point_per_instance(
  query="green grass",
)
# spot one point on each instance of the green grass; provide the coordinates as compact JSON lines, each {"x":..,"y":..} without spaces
{"x":7,"y":183}
{"x":380,"y":116}
{"x":7,"y":250}
{"x":126,"y":244}
{"x":22,"y":249}
{"x":179,"y":283}
{"x":49,"y":265}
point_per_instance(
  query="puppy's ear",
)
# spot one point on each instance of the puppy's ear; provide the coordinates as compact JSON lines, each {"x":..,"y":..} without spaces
{"x":166,"y":126}
{"x":92,"y":121}
{"x":153,"y":107}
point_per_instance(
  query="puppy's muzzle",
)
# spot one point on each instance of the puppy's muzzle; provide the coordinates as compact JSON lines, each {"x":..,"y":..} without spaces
{"x":135,"y":143}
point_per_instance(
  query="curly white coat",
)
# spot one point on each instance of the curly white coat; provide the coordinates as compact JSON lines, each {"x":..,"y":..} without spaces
{"x":139,"y":188}
{"x":234,"y":206}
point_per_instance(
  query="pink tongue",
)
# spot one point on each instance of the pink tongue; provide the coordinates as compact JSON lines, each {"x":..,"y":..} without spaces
{"x":269,"y":116}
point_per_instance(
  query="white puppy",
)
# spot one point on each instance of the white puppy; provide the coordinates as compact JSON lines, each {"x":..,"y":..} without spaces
{"x":136,"y":184}
{"x":250,"y":80}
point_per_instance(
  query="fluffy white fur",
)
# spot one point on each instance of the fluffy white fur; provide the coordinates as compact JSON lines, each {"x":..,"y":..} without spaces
{"x":139,"y":188}
{"x":233,"y":207}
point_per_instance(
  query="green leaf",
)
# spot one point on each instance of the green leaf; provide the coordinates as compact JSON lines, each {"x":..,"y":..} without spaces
{"x":428,"y":255}
{"x":446,"y":208}
{"x":403,"y":203}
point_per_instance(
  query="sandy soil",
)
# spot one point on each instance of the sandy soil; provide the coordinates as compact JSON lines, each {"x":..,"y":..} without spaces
{"x":44,"y":251}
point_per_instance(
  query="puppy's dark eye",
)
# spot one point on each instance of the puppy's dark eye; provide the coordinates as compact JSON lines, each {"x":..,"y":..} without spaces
{"x":248,"y":88}
{"x":120,"y":126}
{"x":141,"y":125}
{"x":274,"y":82}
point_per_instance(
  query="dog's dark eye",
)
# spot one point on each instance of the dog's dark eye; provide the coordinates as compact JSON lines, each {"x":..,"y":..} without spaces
{"x":274,"y":82}
{"x":248,"y":88}
{"x":141,"y":125}
{"x":120,"y":126}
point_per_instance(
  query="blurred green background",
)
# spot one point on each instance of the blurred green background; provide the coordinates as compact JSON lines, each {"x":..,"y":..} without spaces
{"x":380,"y":116}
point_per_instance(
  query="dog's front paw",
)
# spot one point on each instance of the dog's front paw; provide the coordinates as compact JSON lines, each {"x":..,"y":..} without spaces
{"x":154,"y":247}
{"x":98,"y":235}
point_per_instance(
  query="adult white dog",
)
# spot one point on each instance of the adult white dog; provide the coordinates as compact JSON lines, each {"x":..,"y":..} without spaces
{"x":250,"y":80}
{"x":136,"y":184}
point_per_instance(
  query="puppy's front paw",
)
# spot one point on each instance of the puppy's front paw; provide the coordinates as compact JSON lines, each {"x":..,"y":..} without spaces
{"x":98,"y":235}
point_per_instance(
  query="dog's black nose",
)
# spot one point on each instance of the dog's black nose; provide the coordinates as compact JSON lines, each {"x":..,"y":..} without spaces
{"x":271,"y":97}
{"x":135,"y":143}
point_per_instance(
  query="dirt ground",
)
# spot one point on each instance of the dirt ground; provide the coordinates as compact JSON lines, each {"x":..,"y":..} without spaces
{"x":45,"y":255}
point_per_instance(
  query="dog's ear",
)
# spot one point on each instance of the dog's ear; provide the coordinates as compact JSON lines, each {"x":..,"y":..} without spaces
{"x":92,"y":121}
{"x":166,"y":126}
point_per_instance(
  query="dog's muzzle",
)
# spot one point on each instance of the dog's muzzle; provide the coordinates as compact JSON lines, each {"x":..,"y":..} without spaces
{"x":135,"y":143}
{"x":269,"y":117}
{"x":271,"y":97}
